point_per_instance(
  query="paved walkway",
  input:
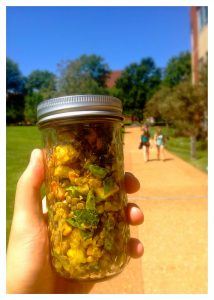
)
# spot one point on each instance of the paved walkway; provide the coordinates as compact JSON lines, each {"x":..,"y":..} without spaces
{"x":173,"y":197}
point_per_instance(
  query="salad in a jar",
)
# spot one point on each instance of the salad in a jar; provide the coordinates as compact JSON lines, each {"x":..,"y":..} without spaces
{"x":86,"y":201}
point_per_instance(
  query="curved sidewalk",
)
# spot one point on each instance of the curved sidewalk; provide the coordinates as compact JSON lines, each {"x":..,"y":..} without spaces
{"x":173,"y":197}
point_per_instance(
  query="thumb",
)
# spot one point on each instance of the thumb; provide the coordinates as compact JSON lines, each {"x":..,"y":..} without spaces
{"x":28,"y":198}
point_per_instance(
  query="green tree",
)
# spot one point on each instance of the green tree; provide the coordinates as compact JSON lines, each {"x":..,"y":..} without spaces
{"x":15,"y":81}
{"x":178,"y":69}
{"x":190,"y":111}
{"x":43,"y":82}
{"x":184,"y":105}
{"x":138,"y":83}
{"x":15,"y":88}
{"x":40,"y":85}
{"x":159,"y":106}
{"x":87,"y":74}
{"x":31,"y":102}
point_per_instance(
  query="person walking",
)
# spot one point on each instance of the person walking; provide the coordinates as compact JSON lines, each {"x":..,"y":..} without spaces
{"x":145,"y":144}
{"x":159,"y":140}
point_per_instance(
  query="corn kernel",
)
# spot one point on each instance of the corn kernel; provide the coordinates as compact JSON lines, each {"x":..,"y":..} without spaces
{"x":66,"y":229}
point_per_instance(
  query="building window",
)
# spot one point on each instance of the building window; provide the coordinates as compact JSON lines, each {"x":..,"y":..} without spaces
{"x":202,"y":17}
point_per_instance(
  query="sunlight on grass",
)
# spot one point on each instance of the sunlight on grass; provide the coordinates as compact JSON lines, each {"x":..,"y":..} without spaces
{"x":20,"y":142}
{"x":181,"y":147}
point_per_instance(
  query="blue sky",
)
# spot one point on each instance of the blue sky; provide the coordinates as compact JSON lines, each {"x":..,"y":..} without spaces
{"x":38,"y":38}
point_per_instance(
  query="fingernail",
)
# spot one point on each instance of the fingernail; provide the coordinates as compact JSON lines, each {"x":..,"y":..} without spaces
{"x":33,"y":156}
{"x":140,"y":249}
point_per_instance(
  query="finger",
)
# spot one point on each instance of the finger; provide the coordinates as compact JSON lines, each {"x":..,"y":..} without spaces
{"x":132,"y":184}
{"x":44,"y":205}
{"x":45,"y":217}
{"x":134,"y":214}
{"x":28,"y":188}
{"x":135,"y":248}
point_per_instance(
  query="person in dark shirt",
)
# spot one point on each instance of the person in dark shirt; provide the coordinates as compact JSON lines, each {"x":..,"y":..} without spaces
{"x":145,"y":143}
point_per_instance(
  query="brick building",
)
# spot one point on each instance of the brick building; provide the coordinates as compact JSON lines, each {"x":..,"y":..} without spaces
{"x":111,"y":81}
{"x":199,"y":39}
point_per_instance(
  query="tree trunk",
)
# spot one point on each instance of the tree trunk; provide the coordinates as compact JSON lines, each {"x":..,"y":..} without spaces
{"x":193,"y":146}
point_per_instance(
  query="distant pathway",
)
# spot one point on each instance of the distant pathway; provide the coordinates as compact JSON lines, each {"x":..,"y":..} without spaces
{"x":171,"y":179}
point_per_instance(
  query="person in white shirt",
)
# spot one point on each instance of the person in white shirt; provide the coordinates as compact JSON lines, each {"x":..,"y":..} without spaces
{"x":159,"y":140}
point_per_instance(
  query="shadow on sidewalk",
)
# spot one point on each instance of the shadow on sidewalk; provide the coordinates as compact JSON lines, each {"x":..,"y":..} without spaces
{"x":167,"y":159}
{"x":127,"y":132}
{"x":155,"y":159}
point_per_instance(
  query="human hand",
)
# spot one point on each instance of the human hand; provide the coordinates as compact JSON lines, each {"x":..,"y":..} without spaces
{"x":28,"y":257}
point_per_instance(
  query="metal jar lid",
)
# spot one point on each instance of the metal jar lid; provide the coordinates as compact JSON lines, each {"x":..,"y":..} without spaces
{"x":79,"y":106}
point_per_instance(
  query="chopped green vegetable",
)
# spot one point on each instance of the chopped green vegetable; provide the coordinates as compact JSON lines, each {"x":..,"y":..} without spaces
{"x":84,"y":219}
{"x":96,"y":170}
{"x":86,"y":234}
{"x":90,"y":201}
{"x":108,"y":185}
{"x":75,"y":191}
{"x":104,"y":192}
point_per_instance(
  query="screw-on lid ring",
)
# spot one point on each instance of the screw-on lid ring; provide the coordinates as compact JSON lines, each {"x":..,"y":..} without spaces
{"x":76,"y":106}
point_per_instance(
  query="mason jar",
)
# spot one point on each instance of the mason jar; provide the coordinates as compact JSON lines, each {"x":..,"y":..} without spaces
{"x":85,"y":194}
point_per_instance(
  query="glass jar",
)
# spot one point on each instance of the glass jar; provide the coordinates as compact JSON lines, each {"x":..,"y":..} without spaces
{"x":84,"y":185}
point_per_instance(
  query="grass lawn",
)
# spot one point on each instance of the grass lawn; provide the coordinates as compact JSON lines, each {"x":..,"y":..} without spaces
{"x":180,"y":146}
{"x":20,"y":142}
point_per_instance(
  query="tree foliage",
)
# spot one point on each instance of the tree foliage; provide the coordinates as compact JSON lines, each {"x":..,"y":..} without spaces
{"x":184,"y":105}
{"x":15,"y":88}
{"x":30,"y":110}
{"x":178,"y":69}
{"x":15,"y":81}
{"x":141,"y":86}
{"x":138,"y":83}
{"x":190,"y":107}
{"x":159,"y":106}
{"x":43,"y":82}
{"x":87,"y":74}
{"x":179,"y":102}
{"x":40,"y":85}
